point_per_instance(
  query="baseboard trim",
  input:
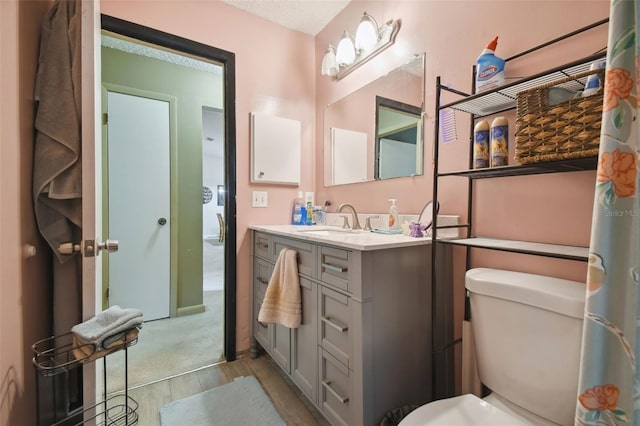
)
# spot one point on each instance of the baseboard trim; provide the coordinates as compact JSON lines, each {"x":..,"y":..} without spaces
{"x":190,"y":310}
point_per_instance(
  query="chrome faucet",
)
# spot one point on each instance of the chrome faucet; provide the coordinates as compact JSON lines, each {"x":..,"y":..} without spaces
{"x":354,"y":214}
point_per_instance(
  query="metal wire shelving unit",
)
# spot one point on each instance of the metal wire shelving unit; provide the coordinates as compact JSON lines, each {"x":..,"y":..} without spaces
{"x":57,"y":356}
{"x":481,"y":105}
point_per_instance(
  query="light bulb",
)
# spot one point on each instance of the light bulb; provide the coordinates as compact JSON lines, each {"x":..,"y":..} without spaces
{"x":329,"y":63}
{"x":346,"y":52}
{"x":367,"y":34}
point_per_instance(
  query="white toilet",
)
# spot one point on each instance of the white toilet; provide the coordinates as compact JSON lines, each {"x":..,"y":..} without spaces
{"x":527,"y":331}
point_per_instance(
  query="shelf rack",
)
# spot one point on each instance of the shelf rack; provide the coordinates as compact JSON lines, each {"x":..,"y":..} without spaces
{"x":572,"y":165}
{"x":499,"y":100}
{"x":481,"y":105}
{"x":58,"y":355}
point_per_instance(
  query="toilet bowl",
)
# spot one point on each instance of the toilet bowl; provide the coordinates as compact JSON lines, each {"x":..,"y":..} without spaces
{"x":528,"y":332}
{"x":466,"y":410}
{"x":469,"y":410}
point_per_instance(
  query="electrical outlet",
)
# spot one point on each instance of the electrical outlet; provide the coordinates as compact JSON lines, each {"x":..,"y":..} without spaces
{"x":259,"y":199}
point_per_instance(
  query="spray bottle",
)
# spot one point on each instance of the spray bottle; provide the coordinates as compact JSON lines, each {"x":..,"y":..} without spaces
{"x":489,"y":68}
{"x":298,"y":206}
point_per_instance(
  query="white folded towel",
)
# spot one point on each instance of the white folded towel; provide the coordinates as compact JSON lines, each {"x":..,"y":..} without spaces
{"x":107,"y":323}
{"x":282,"y":302}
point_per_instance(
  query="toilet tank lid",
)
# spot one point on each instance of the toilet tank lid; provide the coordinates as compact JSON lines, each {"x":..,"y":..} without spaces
{"x":562,"y":296}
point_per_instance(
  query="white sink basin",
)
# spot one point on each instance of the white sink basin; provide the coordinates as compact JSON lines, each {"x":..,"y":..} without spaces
{"x":333,"y":232}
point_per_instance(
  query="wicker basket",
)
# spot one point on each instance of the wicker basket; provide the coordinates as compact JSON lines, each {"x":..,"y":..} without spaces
{"x":569,"y":129}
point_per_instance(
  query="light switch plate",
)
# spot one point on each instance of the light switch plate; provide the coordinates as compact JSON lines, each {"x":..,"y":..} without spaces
{"x":259,"y":199}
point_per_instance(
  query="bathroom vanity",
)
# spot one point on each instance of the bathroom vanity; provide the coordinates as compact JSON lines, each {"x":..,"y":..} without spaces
{"x":364,"y":346}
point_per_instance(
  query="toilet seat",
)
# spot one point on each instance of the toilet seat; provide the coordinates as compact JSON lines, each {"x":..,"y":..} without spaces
{"x":463,"y":410}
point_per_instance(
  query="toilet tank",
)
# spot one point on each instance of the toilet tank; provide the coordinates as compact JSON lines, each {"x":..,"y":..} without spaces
{"x":528,"y":332}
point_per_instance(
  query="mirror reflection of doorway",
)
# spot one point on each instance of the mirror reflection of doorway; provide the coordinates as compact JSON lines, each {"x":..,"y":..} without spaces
{"x":194,"y":335}
{"x":398,"y":139}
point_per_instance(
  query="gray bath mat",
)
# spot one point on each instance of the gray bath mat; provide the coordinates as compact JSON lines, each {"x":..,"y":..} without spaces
{"x":242,"y":402}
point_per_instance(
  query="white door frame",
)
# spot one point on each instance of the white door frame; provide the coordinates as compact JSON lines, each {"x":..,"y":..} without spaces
{"x":91,"y":187}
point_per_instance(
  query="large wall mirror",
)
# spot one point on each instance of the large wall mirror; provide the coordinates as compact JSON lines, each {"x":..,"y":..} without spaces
{"x":376,"y":132}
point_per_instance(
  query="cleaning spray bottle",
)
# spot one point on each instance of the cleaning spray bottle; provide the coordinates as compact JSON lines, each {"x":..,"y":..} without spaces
{"x":298,"y":206}
{"x":393,"y":215}
{"x":489,"y":69}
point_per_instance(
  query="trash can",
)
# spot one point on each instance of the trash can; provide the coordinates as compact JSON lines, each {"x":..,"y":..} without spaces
{"x":395,"y":416}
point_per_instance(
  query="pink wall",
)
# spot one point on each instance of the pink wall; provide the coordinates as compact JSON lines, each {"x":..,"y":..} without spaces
{"x":552,"y":208}
{"x":275,"y":74}
{"x":452,"y":34}
{"x":282,"y":76}
{"x":278,"y":73}
{"x":24,"y":282}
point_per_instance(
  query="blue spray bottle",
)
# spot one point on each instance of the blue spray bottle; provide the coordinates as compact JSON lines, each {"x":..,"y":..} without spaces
{"x":489,"y":68}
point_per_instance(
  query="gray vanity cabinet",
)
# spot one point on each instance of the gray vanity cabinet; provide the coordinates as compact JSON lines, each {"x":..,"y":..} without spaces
{"x":304,"y":364}
{"x":261,"y":273}
{"x":365,"y":343}
{"x":274,"y":338}
{"x":292,"y":349}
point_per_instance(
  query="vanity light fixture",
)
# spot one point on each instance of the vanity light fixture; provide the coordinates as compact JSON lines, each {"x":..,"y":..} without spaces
{"x":353,"y":52}
{"x":329,"y":62}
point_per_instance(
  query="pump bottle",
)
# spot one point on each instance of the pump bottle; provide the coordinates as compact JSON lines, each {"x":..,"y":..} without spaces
{"x":393,"y":215}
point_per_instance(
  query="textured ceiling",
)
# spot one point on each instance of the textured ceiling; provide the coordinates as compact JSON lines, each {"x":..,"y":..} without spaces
{"x":307,"y":16}
{"x":176,"y":58}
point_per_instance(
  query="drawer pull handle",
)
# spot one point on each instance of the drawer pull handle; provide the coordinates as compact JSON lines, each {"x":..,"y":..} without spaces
{"x":263,"y":245}
{"x":327,"y":385}
{"x":262,"y":280}
{"x":341,"y":328}
{"x":333,"y":268}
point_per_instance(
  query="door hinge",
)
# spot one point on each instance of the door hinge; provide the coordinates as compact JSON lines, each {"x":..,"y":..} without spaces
{"x":105,"y":119}
{"x":106,"y":293}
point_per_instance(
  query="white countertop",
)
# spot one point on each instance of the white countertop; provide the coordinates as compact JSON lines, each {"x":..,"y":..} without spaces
{"x":357,"y":240}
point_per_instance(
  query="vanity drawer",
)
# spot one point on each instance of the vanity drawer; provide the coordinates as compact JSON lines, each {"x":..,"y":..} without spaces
{"x":334,"y":324}
{"x":306,"y":254}
{"x":334,"y":389}
{"x":334,"y":268}
{"x":261,"y":245}
{"x":261,"y":274}
{"x":260,"y":330}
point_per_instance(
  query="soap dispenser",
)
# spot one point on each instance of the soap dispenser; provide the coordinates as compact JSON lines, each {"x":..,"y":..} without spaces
{"x":393,"y":215}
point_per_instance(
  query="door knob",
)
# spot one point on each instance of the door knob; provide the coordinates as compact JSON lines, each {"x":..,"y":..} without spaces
{"x":109,"y":246}
{"x":90,"y":248}
{"x":162,"y":221}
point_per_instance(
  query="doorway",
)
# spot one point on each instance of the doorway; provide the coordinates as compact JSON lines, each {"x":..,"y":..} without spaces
{"x":226,"y":60}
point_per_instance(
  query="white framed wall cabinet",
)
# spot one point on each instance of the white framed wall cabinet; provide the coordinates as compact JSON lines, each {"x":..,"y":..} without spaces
{"x":275,"y":149}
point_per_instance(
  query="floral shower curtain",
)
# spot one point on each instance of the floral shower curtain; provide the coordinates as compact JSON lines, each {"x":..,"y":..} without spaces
{"x":609,"y":385}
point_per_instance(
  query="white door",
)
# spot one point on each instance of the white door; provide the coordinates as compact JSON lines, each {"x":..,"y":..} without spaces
{"x":138,"y":161}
